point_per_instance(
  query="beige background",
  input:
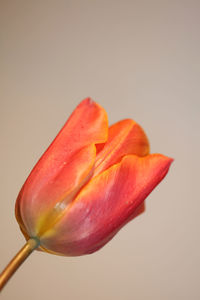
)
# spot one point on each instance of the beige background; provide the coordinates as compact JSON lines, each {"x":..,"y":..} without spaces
{"x":138,"y":59}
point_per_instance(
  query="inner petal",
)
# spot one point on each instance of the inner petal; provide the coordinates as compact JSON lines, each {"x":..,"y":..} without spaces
{"x":124,"y":137}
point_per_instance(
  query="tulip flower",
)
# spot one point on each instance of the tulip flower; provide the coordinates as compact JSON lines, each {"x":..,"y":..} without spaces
{"x":89,"y":183}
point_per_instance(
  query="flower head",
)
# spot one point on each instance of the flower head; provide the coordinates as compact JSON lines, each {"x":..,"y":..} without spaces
{"x":90,"y":182}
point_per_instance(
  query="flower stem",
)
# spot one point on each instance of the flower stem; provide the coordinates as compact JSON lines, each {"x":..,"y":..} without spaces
{"x":16,"y":262}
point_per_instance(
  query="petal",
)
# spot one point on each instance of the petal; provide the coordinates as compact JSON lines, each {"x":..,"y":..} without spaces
{"x":87,"y":125}
{"x":37,"y":201}
{"x":124,"y":137}
{"x":65,"y":166}
{"x":105,"y":204}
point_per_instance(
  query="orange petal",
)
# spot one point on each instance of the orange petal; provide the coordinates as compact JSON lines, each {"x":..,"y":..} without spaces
{"x":105,"y":204}
{"x":65,"y":166}
{"x":124,"y":137}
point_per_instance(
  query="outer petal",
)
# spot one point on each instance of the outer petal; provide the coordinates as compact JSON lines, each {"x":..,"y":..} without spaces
{"x":105,"y":204}
{"x":124,"y":137}
{"x":65,"y":166}
{"x":37,"y":203}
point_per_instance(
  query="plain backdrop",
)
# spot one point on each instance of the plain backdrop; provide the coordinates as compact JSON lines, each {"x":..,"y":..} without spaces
{"x":140,"y":60}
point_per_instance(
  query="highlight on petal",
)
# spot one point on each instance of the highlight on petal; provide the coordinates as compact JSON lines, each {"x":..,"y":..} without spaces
{"x":124,"y":137}
{"x":106,"y":203}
